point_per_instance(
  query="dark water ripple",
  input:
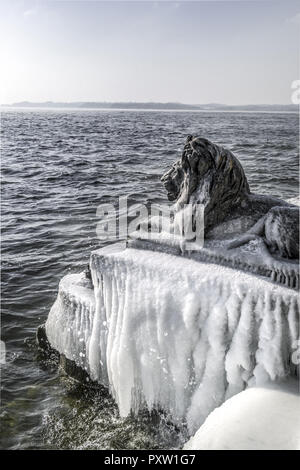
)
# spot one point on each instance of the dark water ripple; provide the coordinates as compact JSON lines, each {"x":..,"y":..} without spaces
{"x":57,"y":167}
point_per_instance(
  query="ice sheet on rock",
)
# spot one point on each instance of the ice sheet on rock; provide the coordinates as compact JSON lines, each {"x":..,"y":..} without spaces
{"x":255,"y":419}
{"x":183,"y":336}
{"x":252,"y":257}
{"x":70,"y":320}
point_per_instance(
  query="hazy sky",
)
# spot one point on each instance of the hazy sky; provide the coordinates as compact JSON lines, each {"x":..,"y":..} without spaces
{"x":233,"y":52}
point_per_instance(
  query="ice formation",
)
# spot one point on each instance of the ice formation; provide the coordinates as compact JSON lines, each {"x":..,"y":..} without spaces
{"x":255,"y":419}
{"x":70,"y":319}
{"x":172,"y":333}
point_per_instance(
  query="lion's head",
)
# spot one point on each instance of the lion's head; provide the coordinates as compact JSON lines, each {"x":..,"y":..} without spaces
{"x":209,"y":174}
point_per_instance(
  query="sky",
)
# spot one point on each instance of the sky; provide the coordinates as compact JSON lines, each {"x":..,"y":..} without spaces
{"x":232,"y":52}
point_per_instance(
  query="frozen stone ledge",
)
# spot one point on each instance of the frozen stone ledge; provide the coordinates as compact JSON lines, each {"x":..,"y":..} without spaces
{"x":172,"y":333}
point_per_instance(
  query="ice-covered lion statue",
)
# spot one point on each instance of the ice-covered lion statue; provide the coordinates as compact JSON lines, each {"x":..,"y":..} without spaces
{"x":209,"y":174}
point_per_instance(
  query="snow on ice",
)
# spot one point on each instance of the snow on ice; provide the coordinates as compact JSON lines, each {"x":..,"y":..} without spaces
{"x":255,"y":419}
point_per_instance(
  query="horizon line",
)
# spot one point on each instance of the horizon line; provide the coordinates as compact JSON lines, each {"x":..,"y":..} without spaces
{"x":151,"y":102}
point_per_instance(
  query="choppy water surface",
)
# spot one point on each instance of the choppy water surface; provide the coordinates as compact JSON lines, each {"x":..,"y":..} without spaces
{"x":57,"y":167}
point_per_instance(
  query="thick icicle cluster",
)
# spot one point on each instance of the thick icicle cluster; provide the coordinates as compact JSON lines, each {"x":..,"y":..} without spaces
{"x":71,"y":317}
{"x":172,"y":333}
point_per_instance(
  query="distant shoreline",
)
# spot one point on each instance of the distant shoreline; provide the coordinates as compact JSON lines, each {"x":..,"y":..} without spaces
{"x":152,"y":106}
{"x":74,"y":109}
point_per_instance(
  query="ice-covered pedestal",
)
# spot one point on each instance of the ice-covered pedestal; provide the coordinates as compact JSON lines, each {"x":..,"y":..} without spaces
{"x":172,"y":333}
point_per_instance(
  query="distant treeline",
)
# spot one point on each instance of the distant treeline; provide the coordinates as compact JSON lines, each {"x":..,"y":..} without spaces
{"x":153,"y":105}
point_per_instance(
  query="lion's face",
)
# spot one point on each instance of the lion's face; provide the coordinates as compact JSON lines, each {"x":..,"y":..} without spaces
{"x":184,"y":176}
{"x":173,"y":180}
{"x":206,"y":173}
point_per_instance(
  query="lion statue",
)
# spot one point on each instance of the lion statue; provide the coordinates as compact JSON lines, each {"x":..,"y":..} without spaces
{"x":211,"y":175}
